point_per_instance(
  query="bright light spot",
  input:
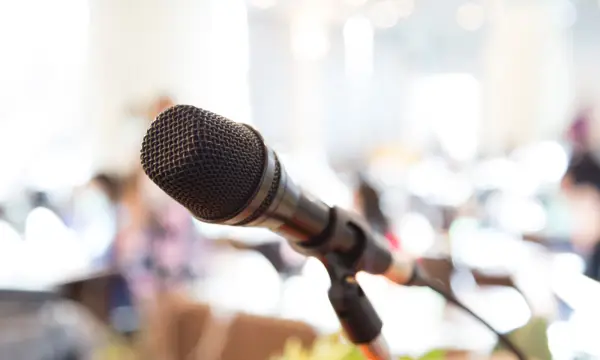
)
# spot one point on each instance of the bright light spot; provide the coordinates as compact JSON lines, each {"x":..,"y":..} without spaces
{"x":410,"y":328}
{"x":516,"y":213}
{"x":263,"y":4}
{"x":426,"y":178}
{"x":576,"y":335}
{"x":315,"y":271}
{"x":389,"y":170}
{"x":583,"y":324}
{"x":243,"y":281}
{"x":567,"y":14}
{"x":310,"y":40}
{"x":54,"y":251}
{"x":456,"y":191}
{"x":508,"y":175}
{"x":495,"y":173}
{"x":575,"y":289}
{"x":386,"y":13}
{"x":470,"y":16}
{"x":356,"y":3}
{"x":448,"y":104}
{"x":433,"y":181}
{"x":547,"y":161}
{"x":463,"y":226}
{"x":377,"y":289}
{"x":503,"y":307}
{"x":525,"y":183}
{"x":567,"y":263}
{"x":42,"y":225}
{"x":304,"y":302}
{"x":358,"y":46}
{"x":416,"y":233}
{"x":488,"y":249}
{"x":559,"y":340}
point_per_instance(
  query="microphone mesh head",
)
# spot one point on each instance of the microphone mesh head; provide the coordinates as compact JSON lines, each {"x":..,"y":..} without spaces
{"x":209,"y":164}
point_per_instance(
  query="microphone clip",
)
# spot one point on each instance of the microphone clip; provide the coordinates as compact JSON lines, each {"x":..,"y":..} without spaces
{"x":361,"y":323}
{"x":355,"y":245}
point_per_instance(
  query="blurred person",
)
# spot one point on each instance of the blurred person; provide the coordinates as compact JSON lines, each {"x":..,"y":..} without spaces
{"x":95,"y":217}
{"x":40,"y":325}
{"x":157,"y":244}
{"x":581,"y":184}
{"x":159,"y":253}
{"x":367,"y":201}
{"x":578,"y":134}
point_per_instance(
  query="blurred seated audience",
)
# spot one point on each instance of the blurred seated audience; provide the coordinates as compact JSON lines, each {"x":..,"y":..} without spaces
{"x":39,"y":325}
{"x":581,"y":184}
{"x":94,"y":218}
{"x":157,"y":245}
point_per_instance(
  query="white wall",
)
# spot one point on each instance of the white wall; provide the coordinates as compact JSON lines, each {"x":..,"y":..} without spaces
{"x":194,"y":51}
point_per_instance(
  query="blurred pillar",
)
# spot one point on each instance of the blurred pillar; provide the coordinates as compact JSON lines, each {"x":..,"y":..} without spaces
{"x":309,"y":45}
{"x":527,"y":64}
{"x":359,"y":133}
{"x":193,"y":51}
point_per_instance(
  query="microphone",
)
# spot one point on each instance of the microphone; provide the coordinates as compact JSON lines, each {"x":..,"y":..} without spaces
{"x":223,"y":173}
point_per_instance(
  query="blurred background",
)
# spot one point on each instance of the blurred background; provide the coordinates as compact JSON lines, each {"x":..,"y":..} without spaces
{"x":464,"y":131}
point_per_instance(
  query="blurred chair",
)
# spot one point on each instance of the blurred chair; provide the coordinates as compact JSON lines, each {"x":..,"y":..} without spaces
{"x":245,"y":337}
{"x":91,"y":292}
{"x":191,"y":326}
{"x":258,"y":338}
{"x":40,"y":325}
{"x":441,"y":270}
{"x":106,"y":295}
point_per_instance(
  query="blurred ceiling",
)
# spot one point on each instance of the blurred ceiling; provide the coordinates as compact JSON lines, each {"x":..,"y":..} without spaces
{"x":429,"y":30}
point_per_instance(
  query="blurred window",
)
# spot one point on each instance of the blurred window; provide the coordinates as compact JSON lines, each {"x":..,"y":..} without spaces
{"x":44,"y":46}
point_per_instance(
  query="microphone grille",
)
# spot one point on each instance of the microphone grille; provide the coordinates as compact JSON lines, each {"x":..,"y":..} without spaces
{"x":209,"y":164}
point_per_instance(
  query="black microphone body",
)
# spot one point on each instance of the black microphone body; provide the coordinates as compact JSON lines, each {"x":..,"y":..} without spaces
{"x":193,"y":154}
{"x":223,"y":173}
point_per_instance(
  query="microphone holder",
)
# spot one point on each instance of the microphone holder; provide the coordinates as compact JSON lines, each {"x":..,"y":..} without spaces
{"x":355,"y":312}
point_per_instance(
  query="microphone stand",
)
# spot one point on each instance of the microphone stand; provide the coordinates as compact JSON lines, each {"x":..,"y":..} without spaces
{"x":357,"y":316}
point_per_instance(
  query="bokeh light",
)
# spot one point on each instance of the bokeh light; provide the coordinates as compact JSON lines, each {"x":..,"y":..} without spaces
{"x":470,"y":16}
